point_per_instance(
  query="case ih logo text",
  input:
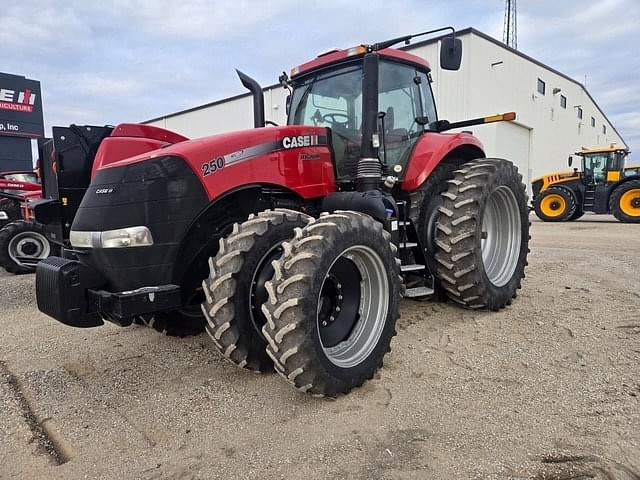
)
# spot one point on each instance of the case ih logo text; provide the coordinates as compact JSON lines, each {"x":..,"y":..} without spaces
{"x":300,"y":141}
{"x":17,"y":101}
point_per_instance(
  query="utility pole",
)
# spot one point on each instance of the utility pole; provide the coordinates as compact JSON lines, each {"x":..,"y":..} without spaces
{"x":510,"y":27}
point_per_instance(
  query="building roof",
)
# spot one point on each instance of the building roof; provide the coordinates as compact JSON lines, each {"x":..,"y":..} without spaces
{"x":465,"y":31}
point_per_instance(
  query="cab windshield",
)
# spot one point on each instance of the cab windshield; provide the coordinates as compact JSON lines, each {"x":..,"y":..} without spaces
{"x":333,"y":99}
{"x":21,"y":177}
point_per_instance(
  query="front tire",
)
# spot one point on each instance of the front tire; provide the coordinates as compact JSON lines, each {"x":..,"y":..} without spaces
{"x":625,"y":202}
{"x":556,"y":204}
{"x":483,"y":234}
{"x":333,"y":304}
{"x":22,"y":245}
{"x":234,"y":290}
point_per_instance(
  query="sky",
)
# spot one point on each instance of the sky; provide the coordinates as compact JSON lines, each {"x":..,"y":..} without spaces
{"x":131,"y":60}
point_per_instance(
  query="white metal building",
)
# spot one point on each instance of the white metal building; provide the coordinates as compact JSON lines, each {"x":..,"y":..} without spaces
{"x":556,"y":115}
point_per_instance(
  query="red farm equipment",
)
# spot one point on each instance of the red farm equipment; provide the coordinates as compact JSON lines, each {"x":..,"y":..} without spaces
{"x":292,"y":245}
{"x":22,"y":241}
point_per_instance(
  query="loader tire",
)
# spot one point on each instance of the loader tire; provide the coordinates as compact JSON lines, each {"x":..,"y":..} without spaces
{"x":235,"y":289}
{"x":624,"y":202}
{"x":556,"y":204}
{"x":482,"y":234}
{"x":333,"y":304}
{"x":22,"y":242}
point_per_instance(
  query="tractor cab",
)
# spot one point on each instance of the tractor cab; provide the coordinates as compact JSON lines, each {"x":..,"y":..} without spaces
{"x":332,"y":97}
{"x":601,"y":166}
{"x":376,"y":101}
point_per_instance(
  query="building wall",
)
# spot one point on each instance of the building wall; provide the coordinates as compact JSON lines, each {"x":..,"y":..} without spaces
{"x":492,"y":79}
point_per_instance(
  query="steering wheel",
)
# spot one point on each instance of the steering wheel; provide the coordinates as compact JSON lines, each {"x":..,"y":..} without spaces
{"x":332,"y":118}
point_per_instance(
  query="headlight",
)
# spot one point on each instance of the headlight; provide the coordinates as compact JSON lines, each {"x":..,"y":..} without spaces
{"x":120,"y":238}
{"x":3,"y":215}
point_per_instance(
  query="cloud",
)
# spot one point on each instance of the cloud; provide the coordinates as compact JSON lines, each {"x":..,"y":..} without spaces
{"x":129,"y":60}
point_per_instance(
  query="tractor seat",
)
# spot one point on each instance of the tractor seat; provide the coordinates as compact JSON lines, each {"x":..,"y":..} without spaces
{"x":396,"y":138}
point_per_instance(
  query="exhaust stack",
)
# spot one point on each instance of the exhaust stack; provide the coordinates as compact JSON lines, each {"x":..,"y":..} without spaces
{"x":369,"y":172}
{"x":258,"y":98}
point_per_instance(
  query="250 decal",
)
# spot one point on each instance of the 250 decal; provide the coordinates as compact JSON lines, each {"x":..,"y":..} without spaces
{"x":212,"y":166}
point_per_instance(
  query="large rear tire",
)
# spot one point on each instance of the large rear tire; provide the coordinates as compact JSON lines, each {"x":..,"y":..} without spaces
{"x":235,"y":289}
{"x":333,"y":304}
{"x":425,"y":203}
{"x":556,"y":204}
{"x":483,"y":234}
{"x":624,"y":202}
{"x":22,"y":245}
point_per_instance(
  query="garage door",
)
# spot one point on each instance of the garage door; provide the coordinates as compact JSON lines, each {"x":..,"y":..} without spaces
{"x":512,"y":142}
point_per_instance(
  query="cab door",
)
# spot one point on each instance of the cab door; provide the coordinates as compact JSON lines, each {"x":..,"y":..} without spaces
{"x":595,"y":168}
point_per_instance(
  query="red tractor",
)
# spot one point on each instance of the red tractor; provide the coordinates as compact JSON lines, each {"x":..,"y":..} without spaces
{"x":293,"y":245}
{"x":22,"y":241}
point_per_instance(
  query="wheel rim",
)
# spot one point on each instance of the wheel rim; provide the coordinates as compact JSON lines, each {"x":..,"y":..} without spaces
{"x":28,"y":247}
{"x":352,"y":306}
{"x":258,"y":293}
{"x":553,"y":205}
{"x":501,"y":236}
{"x":630,"y":202}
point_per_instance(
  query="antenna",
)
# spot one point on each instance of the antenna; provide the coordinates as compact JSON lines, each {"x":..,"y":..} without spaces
{"x":510,"y":27}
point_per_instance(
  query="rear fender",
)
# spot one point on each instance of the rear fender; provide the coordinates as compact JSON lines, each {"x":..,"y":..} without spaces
{"x":434,"y":148}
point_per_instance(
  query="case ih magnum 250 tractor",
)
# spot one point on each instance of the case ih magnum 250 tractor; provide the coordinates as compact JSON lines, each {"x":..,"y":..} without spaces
{"x":293,"y":244}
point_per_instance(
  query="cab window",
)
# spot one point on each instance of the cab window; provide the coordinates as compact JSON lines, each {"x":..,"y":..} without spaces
{"x":595,"y":167}
{"x":402,"y":98}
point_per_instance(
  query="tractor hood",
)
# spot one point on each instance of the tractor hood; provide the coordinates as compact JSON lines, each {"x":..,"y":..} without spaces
{"x":294,"y":157}
{"x":557,"y":176}
{"x":236,"y":147}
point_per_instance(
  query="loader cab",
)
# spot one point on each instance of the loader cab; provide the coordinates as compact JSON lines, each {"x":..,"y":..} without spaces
{"x":332,"y":97}
{"x":603,"y":166}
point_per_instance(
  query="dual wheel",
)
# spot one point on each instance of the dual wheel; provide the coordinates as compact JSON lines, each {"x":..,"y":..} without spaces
{"x":316,"y":299}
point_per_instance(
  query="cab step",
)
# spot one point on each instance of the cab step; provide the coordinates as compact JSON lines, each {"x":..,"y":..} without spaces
{"x":411,"y":268}
{"x":418,"y":292}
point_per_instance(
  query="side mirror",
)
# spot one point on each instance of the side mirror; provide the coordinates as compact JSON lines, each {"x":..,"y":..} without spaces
{"x":288,"y":104}
{"x":570,"y":162}
{"x":450,"y":53}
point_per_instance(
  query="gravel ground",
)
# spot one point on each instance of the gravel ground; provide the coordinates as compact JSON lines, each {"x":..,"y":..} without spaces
{"x":546,"y":389}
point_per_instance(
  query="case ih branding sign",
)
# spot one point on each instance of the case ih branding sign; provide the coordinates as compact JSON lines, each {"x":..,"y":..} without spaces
{"x":17,"y":101}
{"x":20,"y":106}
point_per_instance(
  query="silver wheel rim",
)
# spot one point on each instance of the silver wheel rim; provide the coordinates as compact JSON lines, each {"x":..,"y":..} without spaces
{"x":501,"y":236}
{"x":22,"y":241}
{"x":374,"y":304}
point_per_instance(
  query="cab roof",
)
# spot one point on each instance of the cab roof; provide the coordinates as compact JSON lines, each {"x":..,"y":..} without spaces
{"x":611,"y":148}
{"x":334,"y":57}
